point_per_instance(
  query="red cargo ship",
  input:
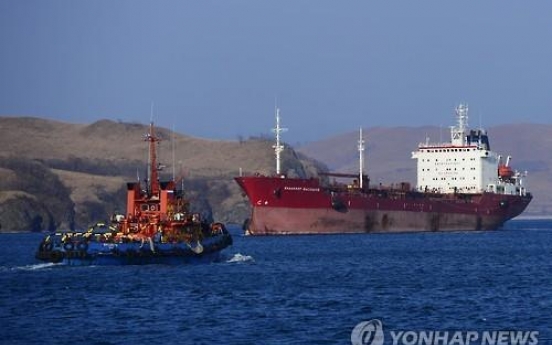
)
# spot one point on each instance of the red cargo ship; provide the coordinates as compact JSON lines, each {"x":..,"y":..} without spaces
{"x":461,"y":185}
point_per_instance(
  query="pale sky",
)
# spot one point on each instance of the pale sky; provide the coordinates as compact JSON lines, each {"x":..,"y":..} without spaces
{"x":214,"y":69}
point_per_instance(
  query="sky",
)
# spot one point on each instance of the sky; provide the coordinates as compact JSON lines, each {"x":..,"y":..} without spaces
{"x":217,"y":69}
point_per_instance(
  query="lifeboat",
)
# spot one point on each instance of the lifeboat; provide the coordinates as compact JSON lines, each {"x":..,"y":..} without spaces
{"x":505,"y":172}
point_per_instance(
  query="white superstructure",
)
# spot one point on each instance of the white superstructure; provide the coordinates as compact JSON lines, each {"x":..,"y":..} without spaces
{"x":466,"y":164}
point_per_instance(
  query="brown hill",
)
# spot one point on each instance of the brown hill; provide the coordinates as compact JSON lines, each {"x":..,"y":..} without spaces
{"x":55,"y":174}
{"x":93,"y":161}
{"x":120,"y":142}
{"x":388,"y":155}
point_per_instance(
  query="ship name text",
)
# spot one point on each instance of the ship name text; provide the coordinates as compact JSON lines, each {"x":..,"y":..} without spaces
{"x":303,"y":189}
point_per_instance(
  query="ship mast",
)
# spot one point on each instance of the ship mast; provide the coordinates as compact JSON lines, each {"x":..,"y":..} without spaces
{"x":278,"y":147}
{"x":458,"y":133}
{"x":361,"y":157}
{"x":153,"y":183}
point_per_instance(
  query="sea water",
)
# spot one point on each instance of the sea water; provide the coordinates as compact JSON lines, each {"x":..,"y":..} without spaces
{"x":306,"y":289}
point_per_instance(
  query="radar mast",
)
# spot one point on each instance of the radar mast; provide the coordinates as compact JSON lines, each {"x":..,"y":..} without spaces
{"x":278,"y":147}
{"x":361,"y":157}
{"x":458,"y":132}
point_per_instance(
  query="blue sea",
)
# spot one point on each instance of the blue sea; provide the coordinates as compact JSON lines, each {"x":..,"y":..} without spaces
{"x":290,"y":290}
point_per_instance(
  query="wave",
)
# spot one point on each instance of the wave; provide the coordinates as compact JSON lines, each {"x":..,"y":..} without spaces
{"x":35,"y":267}
{"x":240,"y":258}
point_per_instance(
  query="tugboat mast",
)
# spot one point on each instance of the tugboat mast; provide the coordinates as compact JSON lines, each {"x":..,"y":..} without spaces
{"x":153,"y":181}
{"x":278,"y":148}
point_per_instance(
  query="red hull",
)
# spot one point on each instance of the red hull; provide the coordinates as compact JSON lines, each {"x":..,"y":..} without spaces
{"x":303,"y":206}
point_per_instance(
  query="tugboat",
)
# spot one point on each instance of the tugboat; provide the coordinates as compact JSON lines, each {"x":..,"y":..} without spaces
{"x":158,"y":228}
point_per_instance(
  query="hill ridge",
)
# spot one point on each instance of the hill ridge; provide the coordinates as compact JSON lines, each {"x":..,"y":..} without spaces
{"x":94,"y":160}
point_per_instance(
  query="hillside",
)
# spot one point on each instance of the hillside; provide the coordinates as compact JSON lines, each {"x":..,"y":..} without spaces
{"x":90,"y":164}
{"x":57,"y":175}
{"x":388,"y":155}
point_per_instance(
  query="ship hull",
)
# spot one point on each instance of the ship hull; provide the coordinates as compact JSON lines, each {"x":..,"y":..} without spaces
{"x":133,"y":253}
{"x":282,"y":221}
{"x":301,"y":206}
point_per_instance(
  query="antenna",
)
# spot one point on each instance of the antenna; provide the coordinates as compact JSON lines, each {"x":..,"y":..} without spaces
{"x":148,"y":138}
{"x":278,"y":148}
{"x":361,"y":156}
{"x":152,"y":161}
